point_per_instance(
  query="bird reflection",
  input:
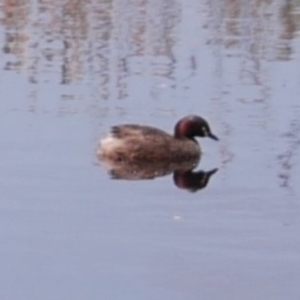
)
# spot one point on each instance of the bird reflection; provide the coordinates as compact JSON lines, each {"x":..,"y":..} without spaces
{"x":184,"y":174}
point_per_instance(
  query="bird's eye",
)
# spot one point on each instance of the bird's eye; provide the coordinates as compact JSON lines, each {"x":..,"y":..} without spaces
{"x":204,"y":130}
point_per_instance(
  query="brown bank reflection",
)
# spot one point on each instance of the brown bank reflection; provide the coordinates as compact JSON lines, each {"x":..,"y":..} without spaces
{"x":184,"y":174}
{"x":98,"y":37}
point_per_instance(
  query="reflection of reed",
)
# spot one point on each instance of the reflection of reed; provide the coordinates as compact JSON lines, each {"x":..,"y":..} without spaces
{"x":113,"y":44}
{"x":286,"y":159}
{"x":161,"y":38}
{"x":60,"y":36}
{"x":245,"y":40}
{"x":102,"y":24}
{"x":15,"y":18}
{"x":257,"y":22}
{"x":137,"y":28}
{"x":290,"y":21}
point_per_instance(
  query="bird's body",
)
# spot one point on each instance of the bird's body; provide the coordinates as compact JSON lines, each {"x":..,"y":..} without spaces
{"x":138,"y":143}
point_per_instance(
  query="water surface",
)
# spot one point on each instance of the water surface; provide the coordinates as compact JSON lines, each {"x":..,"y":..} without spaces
{"x":70,"y":70}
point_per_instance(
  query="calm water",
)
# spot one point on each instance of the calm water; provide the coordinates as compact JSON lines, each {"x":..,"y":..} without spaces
{"x":70,"y":70}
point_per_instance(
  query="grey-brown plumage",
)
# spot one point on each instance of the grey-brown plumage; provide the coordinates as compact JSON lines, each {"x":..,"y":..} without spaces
{"x":132,"y":142}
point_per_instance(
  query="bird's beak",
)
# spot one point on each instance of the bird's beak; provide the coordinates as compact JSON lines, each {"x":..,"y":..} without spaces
{"x":212,"y":136}
{"x":211,"y":172}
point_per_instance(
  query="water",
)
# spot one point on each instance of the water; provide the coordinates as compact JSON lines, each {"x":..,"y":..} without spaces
{"x":70,"y":70}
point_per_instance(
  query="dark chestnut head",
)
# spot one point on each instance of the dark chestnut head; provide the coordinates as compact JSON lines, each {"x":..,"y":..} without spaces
{"x":192,"y":126}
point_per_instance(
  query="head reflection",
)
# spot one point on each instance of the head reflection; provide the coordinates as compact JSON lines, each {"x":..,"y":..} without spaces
{"x":193,"y":181}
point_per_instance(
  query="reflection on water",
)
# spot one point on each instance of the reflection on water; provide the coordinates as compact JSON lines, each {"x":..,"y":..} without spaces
{"x":114,"y":40}
{"x":98,"y":37}
{"x":193,"y":181}
{"x":184,"y":174}
{"x":286,"y":160}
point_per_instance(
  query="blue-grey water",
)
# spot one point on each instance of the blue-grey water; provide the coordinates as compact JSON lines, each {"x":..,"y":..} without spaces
{"x":71,"y":69}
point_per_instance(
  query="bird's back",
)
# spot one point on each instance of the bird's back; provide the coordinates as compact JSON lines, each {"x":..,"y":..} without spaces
{"x":131,"y":130}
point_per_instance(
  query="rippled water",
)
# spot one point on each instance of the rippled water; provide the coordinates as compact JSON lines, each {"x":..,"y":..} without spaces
{"x":70,"y":70}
